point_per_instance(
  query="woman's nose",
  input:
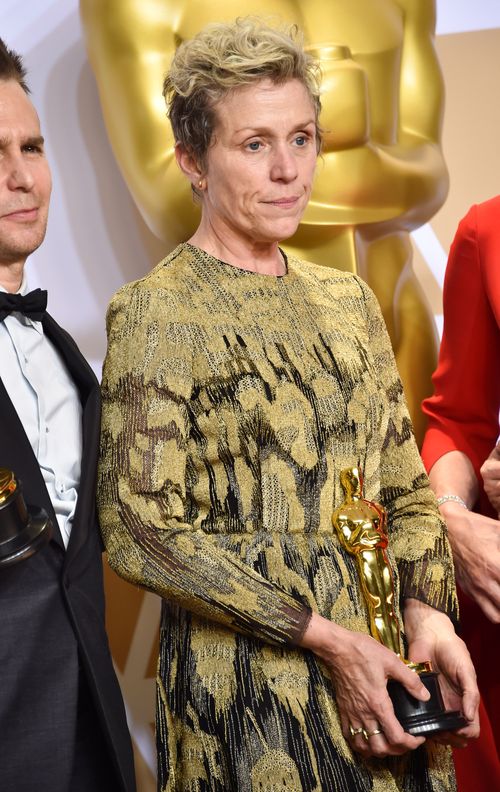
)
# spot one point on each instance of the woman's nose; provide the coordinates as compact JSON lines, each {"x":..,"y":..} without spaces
{"x":284,"y":164}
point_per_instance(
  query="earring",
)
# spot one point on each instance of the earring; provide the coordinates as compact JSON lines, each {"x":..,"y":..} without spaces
{"x":200,"y":184}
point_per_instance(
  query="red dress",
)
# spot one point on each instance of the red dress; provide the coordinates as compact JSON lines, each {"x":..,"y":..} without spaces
{"x":463,"y":415}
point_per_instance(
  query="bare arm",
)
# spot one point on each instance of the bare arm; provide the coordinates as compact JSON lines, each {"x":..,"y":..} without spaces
{"x":453,"y":474}
{"x":475,"y":539}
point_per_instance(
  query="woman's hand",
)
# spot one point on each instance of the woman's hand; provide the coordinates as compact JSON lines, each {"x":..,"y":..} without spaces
{"x":475,"y":541}
{"x":431,"y":636}
{"x":490,"y":473}
{"x":360,"y":667}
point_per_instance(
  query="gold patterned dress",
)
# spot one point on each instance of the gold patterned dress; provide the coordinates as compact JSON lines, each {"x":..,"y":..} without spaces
{"x":232,"y":401}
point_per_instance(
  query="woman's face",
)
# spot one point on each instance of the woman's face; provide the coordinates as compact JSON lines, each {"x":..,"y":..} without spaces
{"x":260,"y":166}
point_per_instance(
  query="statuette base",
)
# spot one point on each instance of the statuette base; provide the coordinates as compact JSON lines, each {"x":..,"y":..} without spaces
{"x":23,"y":529}
{"x":424,"y":718}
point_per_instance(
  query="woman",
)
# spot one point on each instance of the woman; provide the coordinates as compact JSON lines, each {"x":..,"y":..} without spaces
{"x":238,"y":384}
{"x":461,"y":456}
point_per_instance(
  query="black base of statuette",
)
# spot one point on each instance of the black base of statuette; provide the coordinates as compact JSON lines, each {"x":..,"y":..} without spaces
{"x":23,"y":529}
{"x":424,"y":718}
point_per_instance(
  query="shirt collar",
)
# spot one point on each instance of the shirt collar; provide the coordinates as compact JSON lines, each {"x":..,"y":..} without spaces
{"x":24,"y":289}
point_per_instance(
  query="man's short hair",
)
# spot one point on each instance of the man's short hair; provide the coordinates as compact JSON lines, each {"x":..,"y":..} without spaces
{"x":11,"y":66}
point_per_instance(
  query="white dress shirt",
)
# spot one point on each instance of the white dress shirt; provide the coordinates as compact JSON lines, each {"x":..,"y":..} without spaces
{"x":48,"y":405}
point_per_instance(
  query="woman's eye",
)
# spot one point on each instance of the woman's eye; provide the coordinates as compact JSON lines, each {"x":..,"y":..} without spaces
{"x":301,"y":140}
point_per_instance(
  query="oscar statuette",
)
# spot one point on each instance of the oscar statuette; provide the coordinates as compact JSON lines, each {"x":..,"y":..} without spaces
{"x":23,"y":529}
{"x":361,"y":526}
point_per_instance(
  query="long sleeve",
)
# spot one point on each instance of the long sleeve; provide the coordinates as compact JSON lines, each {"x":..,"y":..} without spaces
{"x":418,"y":536}
{"x":463,"y":412}
{"x":147,"y":478}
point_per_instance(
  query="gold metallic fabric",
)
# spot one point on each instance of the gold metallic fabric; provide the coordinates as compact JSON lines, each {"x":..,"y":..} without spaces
{"x":231,"y":402}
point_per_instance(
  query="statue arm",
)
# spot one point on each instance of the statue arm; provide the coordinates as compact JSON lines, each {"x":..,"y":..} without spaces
{"x":421,"y":99}
{"x":398,"y":176}
{"x":130,"y":45}
{"x":397,"y":173}
{"x":421,"y":108}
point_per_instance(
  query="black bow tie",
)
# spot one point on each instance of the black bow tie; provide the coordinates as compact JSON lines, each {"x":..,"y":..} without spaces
{"x":32,"y":304}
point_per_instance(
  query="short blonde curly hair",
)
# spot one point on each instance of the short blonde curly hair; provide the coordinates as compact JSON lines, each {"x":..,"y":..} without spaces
{"x":225,"y":56}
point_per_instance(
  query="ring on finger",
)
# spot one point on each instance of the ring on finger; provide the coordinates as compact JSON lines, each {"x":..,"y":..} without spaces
{"x":368,"y":734}
{"x":353,"y":732}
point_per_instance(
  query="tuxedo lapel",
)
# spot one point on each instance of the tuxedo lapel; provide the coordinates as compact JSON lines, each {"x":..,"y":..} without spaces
{"x":84,"y":378}
{"x":77,"y":366}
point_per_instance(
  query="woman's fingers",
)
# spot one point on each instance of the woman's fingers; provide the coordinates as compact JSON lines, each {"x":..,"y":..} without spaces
{"x":371,"y":727}
{"x":410,"y":681}
{"x":368,"y":717}
{"x":397,"y":739}
{"x":367,"y":714}
{"x":470,"y":700}
{"x":371,"y":739}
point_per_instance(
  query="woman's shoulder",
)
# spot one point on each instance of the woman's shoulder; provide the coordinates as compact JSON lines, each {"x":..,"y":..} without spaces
{"x":328,"y":277}
{"x":159,"y":292}
{"x":487,"y":211}
{"x":481,"y":220}
{"x":168,"y":276}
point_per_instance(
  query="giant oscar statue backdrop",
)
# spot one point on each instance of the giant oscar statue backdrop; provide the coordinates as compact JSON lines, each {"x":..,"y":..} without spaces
{"x":381,"y":173}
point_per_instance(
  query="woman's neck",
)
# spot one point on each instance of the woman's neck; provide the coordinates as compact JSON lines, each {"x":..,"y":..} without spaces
{"x":265,"y":259}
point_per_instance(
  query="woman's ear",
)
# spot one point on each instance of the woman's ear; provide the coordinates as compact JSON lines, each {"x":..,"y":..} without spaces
{"x":188,"y":165}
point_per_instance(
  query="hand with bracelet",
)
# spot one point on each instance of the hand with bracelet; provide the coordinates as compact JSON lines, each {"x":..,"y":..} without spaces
{"x":475,"y":539}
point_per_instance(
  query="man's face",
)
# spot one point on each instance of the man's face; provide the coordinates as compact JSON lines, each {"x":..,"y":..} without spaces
{"x":25,"y":181}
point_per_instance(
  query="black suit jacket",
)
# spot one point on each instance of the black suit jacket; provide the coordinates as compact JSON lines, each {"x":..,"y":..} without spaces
{"x":52,"y":617}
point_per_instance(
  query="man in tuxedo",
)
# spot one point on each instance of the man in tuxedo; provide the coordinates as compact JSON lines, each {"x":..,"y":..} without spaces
{"x":62,"y":719}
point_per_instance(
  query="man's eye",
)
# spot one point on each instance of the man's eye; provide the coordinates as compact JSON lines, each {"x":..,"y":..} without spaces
{"x":255,"y":145}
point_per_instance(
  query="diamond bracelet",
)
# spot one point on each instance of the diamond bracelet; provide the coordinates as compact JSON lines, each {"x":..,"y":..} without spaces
{"x":455,"y":498}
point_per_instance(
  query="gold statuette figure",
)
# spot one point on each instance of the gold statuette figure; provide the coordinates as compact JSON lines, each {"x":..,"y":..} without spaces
{"x":381,"y":173}
{"x":362,"y":529}
{"x":361,"y":526}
